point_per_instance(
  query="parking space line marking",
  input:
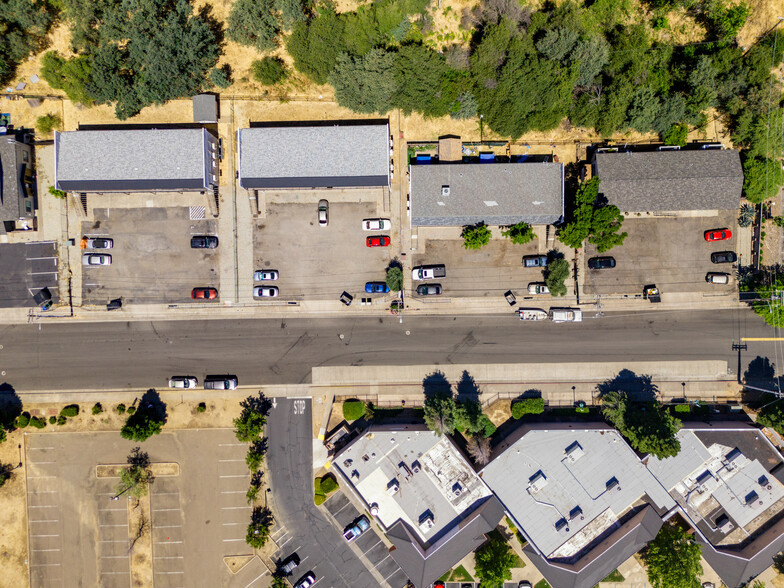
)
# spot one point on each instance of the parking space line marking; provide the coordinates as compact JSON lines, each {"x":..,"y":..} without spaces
{"x":168,"y":557}
{"x":382,"y":561}
{"x":231,"y":444}
{"x":43,"y":462}
{"x":164,"y":509}
{"x":46,"y":565}
{"x":37,"y":477}
{"x":123,"y":525}
{"x":169,"y":572}
{"x":113,"y":541}
{"x":233,"y":540}
{"x":257,"y":577}
{"x":164,"y":493}
{"x":280,"y":545}
{"x":58,"y":549}
{"x":42,"y":491}
{"x":114,"y":557}
{"x":233,"y":476}
{"x":234,"y":492}
{"x":50,"y":257}
{"x":128,"y":573}
{"x":46,"y":521}
{"x":393,"y":573}
{"x":244,"y":507}
{"x":229,"y":460}
{"x":57,"y":535}
{"x":334,"y":514}
{"x":166,"y":542}
{"x":40,"y":273}
{"x":227,"y":524}
{"x":371,"y":547}
{"x":45,"y":506}
{"x":171,"y":526}
{"x":110,"y":509}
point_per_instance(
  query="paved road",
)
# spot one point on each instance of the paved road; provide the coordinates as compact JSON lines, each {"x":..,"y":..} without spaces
{"x":305,"y":530}
{"x":273,"y":351}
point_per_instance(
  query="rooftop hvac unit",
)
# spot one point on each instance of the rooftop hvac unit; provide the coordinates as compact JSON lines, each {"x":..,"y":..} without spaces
{"x":751,"y":498}
{"x":561,"y":526}
{"x":416,"y":467}
{"x":576,"y":512}
{"x":733,"y":459}
{"x":537,"y":482}
{"x":426,"y":521}
{"x":702,"y":479}
{"x":574,"y":452}
{"x":393,"y":487}
{"x":613,"y":484}
{"x":445,"y":190}
{"x":724,"y":524}
{"x":457,"y":489}
{"x":764,"y":482}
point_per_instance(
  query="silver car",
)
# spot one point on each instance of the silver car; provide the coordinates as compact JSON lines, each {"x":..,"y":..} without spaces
{"x":221,"y":383}
{"x":323,"y":213}
{"x":186,"y":382}
{"x":538,"y":288}
{"x":96,"y":259}
{"x":265,"y":292}
{"x":265,"y":275}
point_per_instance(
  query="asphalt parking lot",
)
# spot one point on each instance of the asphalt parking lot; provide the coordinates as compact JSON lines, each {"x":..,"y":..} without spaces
{"x":669,"y":252}
{"x":152,"y":261}
{"x":79,"y":537}
{"x":319,"y":263}
{"x":486,"y":272}
{"x":302,"y":527}
{"x":27,"y":268}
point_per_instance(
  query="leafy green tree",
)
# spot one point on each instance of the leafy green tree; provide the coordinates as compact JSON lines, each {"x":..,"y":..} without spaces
{"x":647,"y":426}
{"x":591,"y":55}
{"x":250,"y":424}
{"x":557,"y":43}
{"x":268,"y":71}
{"x":762,"y":179}
{"x":143,"y":424}
{"x":253,"y":23}
{"x":555,"y":275}
{"x":70,"y":75}
{"x":367,"y":83}
{"x":439,"y":413}
{"x":394,"y":278}
{"x":136,"y":478}
{"x":526,"y":406}
{"x":672,"y":559}
{"x":677,"y":135}
{"x":259,"y":527}
{"x":725,"y":20}
{"x":475,"y":236}
{"x":5,"y":473}
{"x":315,"y":46}
{"x":772,"y":415}
{"x":221,"y":76}
{"x":289,"y":12}
{"x":47,"y":123}
{"x":519,"y":234}
{"x":256,"y":453}
{"x":587,"y":219}
{"x":465,"y":107}
{"x":644,"y":109}
{"x":494,"y":561}
{"x":606,"y":223}
{"x":280,"y":582}
{"x":420,"y":78}
{"x":24,"y":25}
{"x":469,"y":418}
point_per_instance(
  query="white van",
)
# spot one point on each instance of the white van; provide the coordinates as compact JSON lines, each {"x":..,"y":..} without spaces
{"x":566,"y":315}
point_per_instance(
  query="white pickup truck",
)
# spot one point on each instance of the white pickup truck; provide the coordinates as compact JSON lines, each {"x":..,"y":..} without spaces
{"x":428,"y":272}
{"x":566,"y":315}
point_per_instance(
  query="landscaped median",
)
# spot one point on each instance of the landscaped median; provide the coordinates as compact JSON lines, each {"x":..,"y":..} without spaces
{"x":323,"y":487}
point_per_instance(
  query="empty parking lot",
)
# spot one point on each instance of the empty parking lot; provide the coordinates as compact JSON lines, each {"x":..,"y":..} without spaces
{"x":26,"y":269}
{"x":152,"y":260}
{"x":80,"y":537}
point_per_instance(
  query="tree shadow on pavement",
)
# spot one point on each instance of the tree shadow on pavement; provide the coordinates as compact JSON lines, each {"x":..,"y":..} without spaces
{"x":152,"y":405}
{"x":467,"y":388}
{"x":435,"y":384}
{"x":760,"y":374}
{"x":10,"y":405}
{"x":638,"y":388}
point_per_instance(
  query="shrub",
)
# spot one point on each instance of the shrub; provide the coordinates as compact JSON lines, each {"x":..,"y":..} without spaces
{"x":120,"y":409}
{"x":62,"y":419}
{"x":38,"y":422}
{"x":221,"y":76}
{"x":52,"y":420}
{"x":56,"y":193}
{"x":268,"y":71}
{"x":97,"y":408}
{"x":394,"y":278}
{"x":328,"y":484}
{"x":252,"y":494}
{"x":353,"y":410}
{"x":47,"y":123}
{"x":527,"y":406}
{"x":71,"y":410}
{"x":556,"y":273}
{"x":682,"y":408}
{"x":131,"y":409}
{"x":22,"y":420}
{"x":202,"y":407}
{"x":519,"y":234}
{"x":677,"y":135}
{"x":475,"y":236}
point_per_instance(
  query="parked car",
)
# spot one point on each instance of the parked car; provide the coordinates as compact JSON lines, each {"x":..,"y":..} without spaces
{"x":717,"y":278}
{"x":96,"y":259}
{"x":306,"y":581}
{"x":724,"y":257}
{"x":221,"y":383}
{"x":429,"y":290}
{"x":428,"y":272}
{"x":204,"y":293}
{"x":265,"y":275}
{"x":566,"y":315}
{"x":376,"y":224}
{"x":100,"y":243}
{"x":376,"y":288}
{"x":265,"y":292}
{"x":183,"y":382}
{"x":288,"y":565}
{"x":346,"y":298}
{"x":601,"y":263}
{"x":323,"y":213}
{"x":204,"y":242}
{"x":538,"y":288}
{"x":524,"y":584}
{"x":718,"y":235}
{"x":380,"y":241}
{"x":356,"y":528}
{"x":534,"y":261}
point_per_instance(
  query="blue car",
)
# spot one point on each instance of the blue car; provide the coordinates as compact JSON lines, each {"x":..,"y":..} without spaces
{"x":376,"y":288}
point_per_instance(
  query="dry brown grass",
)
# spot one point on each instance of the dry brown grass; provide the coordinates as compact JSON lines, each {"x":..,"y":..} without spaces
{"x":13,"y":518}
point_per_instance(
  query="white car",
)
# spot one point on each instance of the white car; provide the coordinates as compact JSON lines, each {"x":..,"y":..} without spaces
{"x":538,"y":288}
{"x":265,"y":292}
{"x":566,"y":315}
{"x":265,"y":275}
{"x":376,"y":224}
{"x":99,"y":243}
{"x":323,"y":213}
{"x":183,"y":382}
{"x":96,"y":259}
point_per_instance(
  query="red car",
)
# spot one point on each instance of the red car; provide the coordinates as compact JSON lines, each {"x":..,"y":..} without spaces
{"x":718,"y":235}
{"x":382,"y":241}
{"x":204,"y":293}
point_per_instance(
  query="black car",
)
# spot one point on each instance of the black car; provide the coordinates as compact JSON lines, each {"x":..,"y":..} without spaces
{"x":724,"y":257}
{"x":204,"y":242}
{"x":288,"y":565}
{"x":601,"y":262}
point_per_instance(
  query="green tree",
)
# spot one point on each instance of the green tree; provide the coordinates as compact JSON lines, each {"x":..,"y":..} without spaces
{"x":772,"y":415}
{"x":519,"y":234}
{"x":465,"y":107}
{"x":367,"y":83}
{"x":268,"y":71}
{"x":494,"y":561}
{"x":24,"y":25}
{"x":469,"y":418}
{"x":253,"y":23}
{"x":289,"y":12}
{"x":315,"y":46}
{"x":137,"y":476}
{"x":525,"y":406}
{"x":673,"y":559}
{"x":555,"y":275}
{"x":644,"y":109}
{"x":221,"y":76}
{"x":677,"y":135}
{"x":394,"y":278}
{"x":255,"y":455}
{"x":70,"y":75}
{"x":259,"y":527}
{"x":47,"y":123}
{"x":143,"y":424}
{"x":762,"y":179}
{"x":5,"y":473}
{"x":439,"y":413}
{"x":475,"y":236}
{"x":250,"y":424}
{"x":589,"y":220}
{"x":420,"y":80}
{"x":478,"y":447}
{"x":647,"y":426}
{"x":606,"y":223}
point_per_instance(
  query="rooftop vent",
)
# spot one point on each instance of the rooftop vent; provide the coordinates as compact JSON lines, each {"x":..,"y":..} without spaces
{"x":393,"y":487}
{"x":576,"y":512}
{"x":426,"y":521}
{"x":537,"y":482}
{"x":457,"y":489}
{"x":490,"y":203}
{"x":733,"y":459}
{"x":702,"y":479}
{"x":724,"y":524}
{"x":416,"y":467}
{"x":445,"y":191}
{"x":764,"y":482}
{"x":574,"y":452}
{"x":561,"y":526}
{"x":613,"y":484}
{"x":751,"y":498}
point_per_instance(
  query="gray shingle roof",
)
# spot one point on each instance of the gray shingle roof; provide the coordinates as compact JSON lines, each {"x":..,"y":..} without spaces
{"x":205,"y":108}
{"x":12,"y":190}
{"x":493,"y":193}
{"x":671,"y":180}
{"x":292,"y":156}
{"x":425,"y":566}
{"x":132,"y":160}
